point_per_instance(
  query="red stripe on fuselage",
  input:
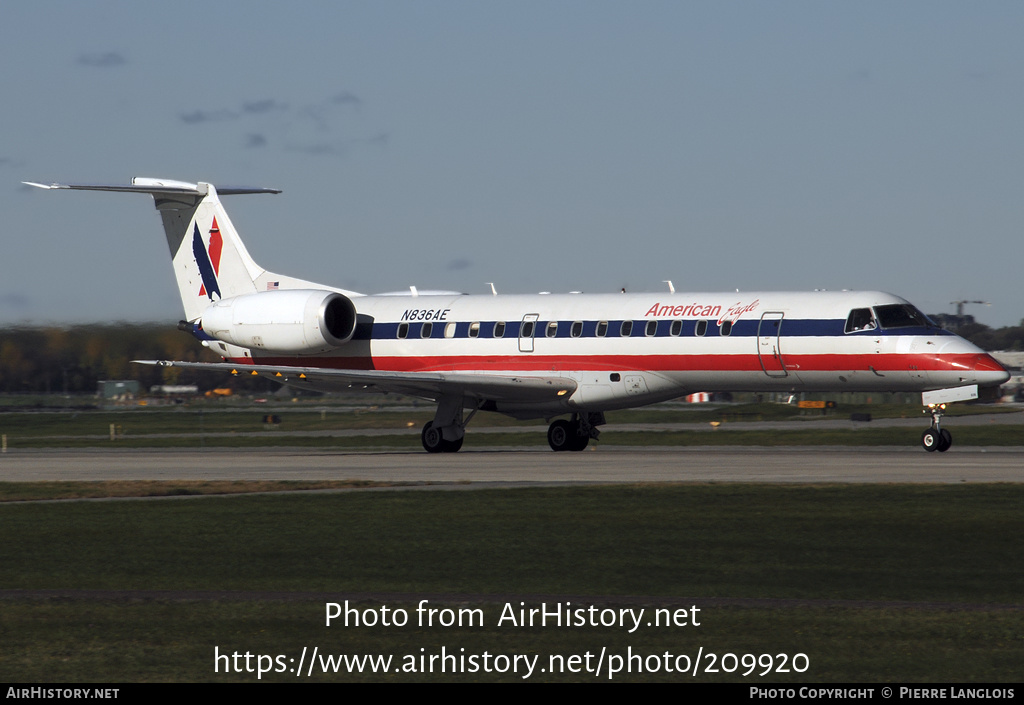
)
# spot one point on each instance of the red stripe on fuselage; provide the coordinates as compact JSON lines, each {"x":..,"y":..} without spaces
{"x":881,"y":362}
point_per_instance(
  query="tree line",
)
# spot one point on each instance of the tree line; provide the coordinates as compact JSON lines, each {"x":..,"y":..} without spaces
{"x":1008,"y":338}
{"x":56,"y":359}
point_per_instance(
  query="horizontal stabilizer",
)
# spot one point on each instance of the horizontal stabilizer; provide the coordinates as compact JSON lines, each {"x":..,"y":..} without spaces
{"x":155,"y":186}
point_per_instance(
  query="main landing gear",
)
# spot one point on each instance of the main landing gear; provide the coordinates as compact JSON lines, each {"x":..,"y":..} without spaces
{"x":936,"y":438}
{"x":574,"y":434}
{"x":434,"y":441}
{"x":448,"y":429}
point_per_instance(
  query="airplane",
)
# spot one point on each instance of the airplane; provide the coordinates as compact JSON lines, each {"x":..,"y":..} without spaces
{"x":545,"y":355}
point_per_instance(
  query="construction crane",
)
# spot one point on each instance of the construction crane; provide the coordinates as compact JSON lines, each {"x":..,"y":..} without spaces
{"x":960,"y":306}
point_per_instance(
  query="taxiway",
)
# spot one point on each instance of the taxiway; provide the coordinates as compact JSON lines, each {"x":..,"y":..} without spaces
{"x":525,"y":467}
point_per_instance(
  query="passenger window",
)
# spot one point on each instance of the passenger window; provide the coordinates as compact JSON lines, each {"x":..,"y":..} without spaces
{"x":627,"y":329}
{"x":499,"y":329}
{"x":860,"y":319}
{"x":552,"y":331}
{"x":426,"y":330}
{"x":526,"y":331}
{"x":702,"y":328}
{"x":676,"y":329}
{"x":652,"y":329}
{"x":726,"y":328}
{"x":602,"y":329}
{"x":403,"y":331}
{"x":577,"y":329}
{"x":449,"y":330}
{"x":474,"y":330}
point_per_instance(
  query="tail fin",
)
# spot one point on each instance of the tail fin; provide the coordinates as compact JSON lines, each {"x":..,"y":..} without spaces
{"x":210,"y":261}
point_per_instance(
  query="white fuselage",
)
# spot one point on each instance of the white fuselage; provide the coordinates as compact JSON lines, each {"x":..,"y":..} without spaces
{"x":624,"y":350}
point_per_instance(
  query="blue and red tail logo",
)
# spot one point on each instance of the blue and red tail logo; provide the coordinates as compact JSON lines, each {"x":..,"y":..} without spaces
{"x":208,"y":260}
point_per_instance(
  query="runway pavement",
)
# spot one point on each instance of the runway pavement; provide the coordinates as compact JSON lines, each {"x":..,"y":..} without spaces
{"x":525,"y":467}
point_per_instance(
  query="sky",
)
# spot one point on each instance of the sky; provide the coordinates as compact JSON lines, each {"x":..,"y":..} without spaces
{"x":543,"y":146}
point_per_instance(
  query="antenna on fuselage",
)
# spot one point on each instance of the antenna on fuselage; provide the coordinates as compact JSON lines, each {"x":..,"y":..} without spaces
{"x":493,"y":290}
{"x":671,"y":288}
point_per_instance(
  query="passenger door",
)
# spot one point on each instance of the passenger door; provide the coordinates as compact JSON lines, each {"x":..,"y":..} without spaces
{"x":769,"y":349}
{"x":527,"y":331}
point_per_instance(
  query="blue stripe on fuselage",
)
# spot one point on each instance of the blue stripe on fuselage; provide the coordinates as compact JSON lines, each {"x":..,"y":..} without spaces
{"x":809,"y":328}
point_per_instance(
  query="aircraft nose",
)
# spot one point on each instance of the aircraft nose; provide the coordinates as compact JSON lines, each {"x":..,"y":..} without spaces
{"x":988,"y":372}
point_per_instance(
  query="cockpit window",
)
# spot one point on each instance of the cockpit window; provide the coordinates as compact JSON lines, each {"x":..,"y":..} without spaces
{"x":901,"y":316}
{"x":860,"y":319}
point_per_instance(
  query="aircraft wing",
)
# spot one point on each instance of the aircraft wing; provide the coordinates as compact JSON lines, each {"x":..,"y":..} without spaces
{"x":427,"y":385}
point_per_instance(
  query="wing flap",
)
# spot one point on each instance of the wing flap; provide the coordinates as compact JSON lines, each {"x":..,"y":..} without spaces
{"x":429,"y":385}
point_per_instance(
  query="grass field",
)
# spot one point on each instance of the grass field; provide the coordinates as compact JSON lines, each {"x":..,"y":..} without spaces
{"x":326,"y":426}
{"x":872,"y":583}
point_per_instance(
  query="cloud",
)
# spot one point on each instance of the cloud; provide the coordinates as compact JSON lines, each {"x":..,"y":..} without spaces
{"x":200,"y":116}
{"x":250,"y":108}
{"x":102,"y":59}
{"x":319,"y":112}
{"x":346,"y":98}
{"x":381,"y":139}
{"x":318,"y":149}
{"x":255,"y":140}
{"x":12,"y":163}
{"x":315,"y":128}
{"x":14,"y":300}
{"x":337,"y":148}
{"x":260,"y":107}
{"x":322,"y":113}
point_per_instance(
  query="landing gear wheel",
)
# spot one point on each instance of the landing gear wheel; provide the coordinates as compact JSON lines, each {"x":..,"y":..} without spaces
{"x":579,"y":442}
{"x":433,"y":441}
{"x":561,"y":435}
{"x":930,"y":440}
{"x":936,"y":438}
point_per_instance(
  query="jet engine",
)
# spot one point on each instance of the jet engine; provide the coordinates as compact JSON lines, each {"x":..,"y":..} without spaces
{"x":295,"y":321}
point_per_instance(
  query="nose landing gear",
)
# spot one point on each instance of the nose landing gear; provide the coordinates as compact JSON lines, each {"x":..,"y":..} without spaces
{"x":936,"y":438}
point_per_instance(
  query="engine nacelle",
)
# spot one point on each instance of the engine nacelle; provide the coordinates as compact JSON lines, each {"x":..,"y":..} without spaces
{"x":296,"y":321}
